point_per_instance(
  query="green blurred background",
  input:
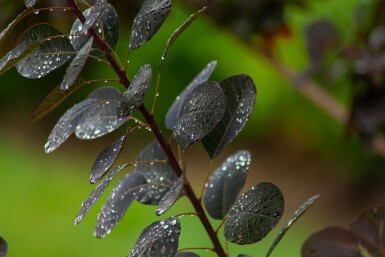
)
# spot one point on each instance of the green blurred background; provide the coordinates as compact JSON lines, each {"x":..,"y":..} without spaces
{"x":293,"y":143}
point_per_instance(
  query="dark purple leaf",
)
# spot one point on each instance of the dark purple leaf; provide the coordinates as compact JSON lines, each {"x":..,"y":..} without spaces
{"x":96,"y":194}
{"x":21,"y":51}
{"x":223,"y":187}
{"x":160,"y":239}
{"x":53,"y":51}
{"x":160,"y":176}
{"x":173,"y":113}
{"x":298,"y":213}
{"x":201,"y":112}
{"x":106,"y":159}
{"x":66,"y":125}
{"x":100,"y":118}
{"x":150,"y":18}
{"x":369,"y":229}
{"x":107,"y":27}
{"x":240,"y":96}
{"x":331,"y":242}
{"x":94,"y":13}
{"x":134,"y":95}
{"x":117,"y":203}
{"x":254,"y":214}
{"x":3,"y":247}
{"x":244,"y":255}
{"x":76,"y":66}
{"x":171,"y":196}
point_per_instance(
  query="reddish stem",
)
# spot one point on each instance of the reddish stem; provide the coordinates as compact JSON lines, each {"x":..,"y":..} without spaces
{"x":158,"y":134}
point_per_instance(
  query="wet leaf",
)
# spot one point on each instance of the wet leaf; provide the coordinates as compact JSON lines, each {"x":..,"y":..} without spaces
{"x":21,"y":51}
{"x":331,"y":242}
{"x":3,"y":247}
{"x":29,"y":3}
{"x":66,"y":125}
{"x":298,"y":213}
{"x":117,"y":203}
{"x":201,"y":112}
{"x":96,"y":194}
{"x":240,"y":96}
{"x":254,"y":214}
{"x":244,"y":255}
{"x":108,"y":28}
{"x":106,"y":159}
{"x":150,"y":18}
{"x":94,"y":13}
{"x":4,"y":34}
{"x":100,"y":119}
{"x":369,"y":229}
{"x":223,"y":187}
{"x":160,"y":239}
{"x":171,"y":196}
{"x":76,"y":66}
{"x":160,"y":175}
{"x":186,"y":254}
{"x":134,"y":95}
{"x":53,"y":51}
{"x":173,"y":113}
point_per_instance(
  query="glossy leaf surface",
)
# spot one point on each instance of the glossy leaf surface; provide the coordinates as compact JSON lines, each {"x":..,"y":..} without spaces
{"x":117,"y":203}
{"x":298,"y":213}
{"x":21,"y":51}
{"x":201,"y":112}
{"x":134,"y":95}
{"x":106,"y":159}
{"x":108,"y":26}
{"x":173,"y":113}
{"x":150,"y":18}
{"x":53,"y":51}
{"x":101,"y":118}
{"x":223,"y":187}
{"x":76,"y":66}
{"x":254,"y":214}
{"x":96,"y":194}
{"x":171,"y":196}
{"x":369,"y":229}
{"x":93,"y":15}
{"x":331,"y":242}
{"x":4,"y":34}
{"x":240,"y":96}
{"x":160,"y":176}
{"x":160,"y":239}
{"x":66,"y":125}
{"x":3,"y":247}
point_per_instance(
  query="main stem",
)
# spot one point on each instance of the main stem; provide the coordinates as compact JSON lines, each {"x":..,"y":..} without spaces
{"x":158,"y":134}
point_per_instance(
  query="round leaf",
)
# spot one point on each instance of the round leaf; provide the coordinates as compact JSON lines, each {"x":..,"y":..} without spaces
{"x":107,"y":27}
{"x":160,"y":239}
{"x":240,"y":96}
{"x":175,"y":109}
{"x":53,"y":51}
{"x":254,"y":214}
{"x":201,"y":112}
{"x":223,"y":187}
{"x":160,"y":176}
{"x":3,"y":247}
{"x":150,"y":18}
